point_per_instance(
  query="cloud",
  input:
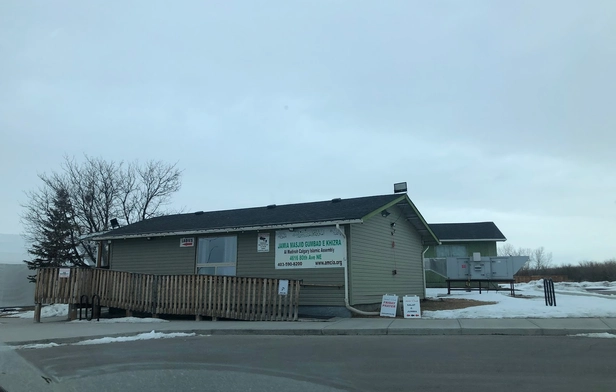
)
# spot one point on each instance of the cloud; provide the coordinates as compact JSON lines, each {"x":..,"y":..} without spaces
{"x":490,"y":111}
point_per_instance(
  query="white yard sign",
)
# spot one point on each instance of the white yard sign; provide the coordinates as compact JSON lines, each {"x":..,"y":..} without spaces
{"x":389,"y":305}
{"x":283,"y":287}
{"x":64,"y":272}
{"x":317,"y":247}
{"x":263,"y":241}
{"x":412,"y":307}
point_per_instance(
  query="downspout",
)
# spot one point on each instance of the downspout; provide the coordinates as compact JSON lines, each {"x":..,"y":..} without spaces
{"x":346,"y":280}
{"x":423,"y":263}
{"x":99,"y":254}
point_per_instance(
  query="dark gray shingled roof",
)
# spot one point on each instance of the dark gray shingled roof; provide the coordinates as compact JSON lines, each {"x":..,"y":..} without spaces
{"x":336,"y":210}
{"x":467,"y":231}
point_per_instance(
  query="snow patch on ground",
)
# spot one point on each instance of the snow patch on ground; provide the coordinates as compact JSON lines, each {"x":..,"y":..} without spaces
{"x":141,"y":336}
{"x":46,"y":311}
{"x":530,"y":303}
{"x":123,"y":320}
{"x":568,"y":286}
{"x":575,"y":288}
{"x":603,"y":335}
{"x":40,"y":345}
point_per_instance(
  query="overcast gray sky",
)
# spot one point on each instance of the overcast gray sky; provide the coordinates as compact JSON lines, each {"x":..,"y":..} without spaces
{"x":491,"y":110}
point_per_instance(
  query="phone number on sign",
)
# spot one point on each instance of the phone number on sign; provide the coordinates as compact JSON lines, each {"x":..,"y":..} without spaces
{"x":290,"y":264}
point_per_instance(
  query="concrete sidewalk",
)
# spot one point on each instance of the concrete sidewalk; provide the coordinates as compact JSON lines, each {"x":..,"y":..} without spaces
{"x":15,"y":331}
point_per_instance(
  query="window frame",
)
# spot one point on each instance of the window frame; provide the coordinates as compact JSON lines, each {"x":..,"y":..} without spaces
{"x":215,"y":265}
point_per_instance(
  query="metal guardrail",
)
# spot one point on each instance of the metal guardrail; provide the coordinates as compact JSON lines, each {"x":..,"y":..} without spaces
{"x":436,"y":265}
{"x":548,"y":291}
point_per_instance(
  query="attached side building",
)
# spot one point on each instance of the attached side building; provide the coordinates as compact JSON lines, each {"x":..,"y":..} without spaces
{"x":461,"y":240}
{"x":464,"y":239}
{"x":375,"y":243}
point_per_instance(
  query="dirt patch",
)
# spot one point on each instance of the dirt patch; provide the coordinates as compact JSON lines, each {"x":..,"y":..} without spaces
{"x":432,"y":304}
{"x":450,"y":304}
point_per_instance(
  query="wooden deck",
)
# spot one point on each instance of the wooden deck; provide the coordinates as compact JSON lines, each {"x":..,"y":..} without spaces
{"x":230,"y":297}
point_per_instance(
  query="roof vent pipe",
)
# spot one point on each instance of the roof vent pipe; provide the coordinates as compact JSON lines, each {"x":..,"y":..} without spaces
{"x":199,"y":213}
{"x":400,"y":187}
{"x":269,"y":207}
{"x":114,"y":223}
{"x":336,"y":200}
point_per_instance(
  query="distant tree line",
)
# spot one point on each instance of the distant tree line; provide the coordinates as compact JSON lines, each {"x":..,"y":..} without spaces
{"x":585,"y":271}
{"x":540,"y":263}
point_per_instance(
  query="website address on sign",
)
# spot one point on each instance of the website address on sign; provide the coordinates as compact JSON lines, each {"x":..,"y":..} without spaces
{"x":290,"y":264}
{"x":338,"y":262}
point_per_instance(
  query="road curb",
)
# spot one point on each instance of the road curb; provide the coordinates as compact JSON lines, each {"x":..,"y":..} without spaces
{"x":335,"y":332}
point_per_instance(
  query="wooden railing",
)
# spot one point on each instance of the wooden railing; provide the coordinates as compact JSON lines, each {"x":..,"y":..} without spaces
{"x":200,"y":295}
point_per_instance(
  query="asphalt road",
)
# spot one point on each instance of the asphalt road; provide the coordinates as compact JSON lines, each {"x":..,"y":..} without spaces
{"x":324,"y":363}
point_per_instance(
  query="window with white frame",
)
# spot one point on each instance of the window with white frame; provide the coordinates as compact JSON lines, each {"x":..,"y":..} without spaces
{"x":217,"y":255}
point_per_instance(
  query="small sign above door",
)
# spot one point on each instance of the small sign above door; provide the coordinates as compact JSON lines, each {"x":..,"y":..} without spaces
{"x":187,"y":242}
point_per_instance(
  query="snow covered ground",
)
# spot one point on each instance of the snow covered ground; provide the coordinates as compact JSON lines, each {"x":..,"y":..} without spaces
{"x":62,"y":310}
{"x":572,"y":300}
{"x":46,"y":311}
{"x":141,"y":336}
{"x":124,"y":320}
{"x":601,"y":335}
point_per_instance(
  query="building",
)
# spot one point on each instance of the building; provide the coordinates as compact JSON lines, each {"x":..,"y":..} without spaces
{"x":347,"y":252}
{"x":15,"y":288}
{"x":462,"y":240}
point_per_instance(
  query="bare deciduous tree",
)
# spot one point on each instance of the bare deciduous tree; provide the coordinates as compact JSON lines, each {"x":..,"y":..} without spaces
{"x":99,"y":191}
{"x":147,"y":188}
{"x":510,"y":250}
{"x":540,"y":259}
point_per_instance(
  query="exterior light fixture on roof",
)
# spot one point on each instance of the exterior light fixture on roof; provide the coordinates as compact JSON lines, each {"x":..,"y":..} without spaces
{"x":400,"y":187}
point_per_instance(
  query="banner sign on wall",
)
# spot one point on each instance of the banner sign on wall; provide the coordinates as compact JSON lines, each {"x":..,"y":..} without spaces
{"x":316,"y":247}
{"x":389,"y":305}
{"x":263,"y":242}
{"x":64,"y":272}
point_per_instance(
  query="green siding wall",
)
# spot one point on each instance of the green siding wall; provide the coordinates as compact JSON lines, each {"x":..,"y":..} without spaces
{"x":163,"y":255}
{"x":486,"y":248}
{"x":370,"y":256}
{"x":251,"y":263}
{"x":160,"y":255}
{"x":372,"y":259}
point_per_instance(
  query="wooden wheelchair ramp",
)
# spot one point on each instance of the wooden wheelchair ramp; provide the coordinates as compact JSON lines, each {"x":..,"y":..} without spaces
{"x":229,"y":297}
